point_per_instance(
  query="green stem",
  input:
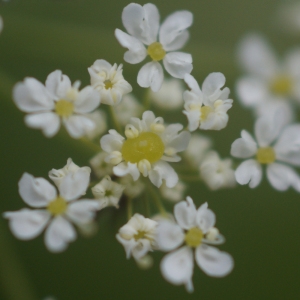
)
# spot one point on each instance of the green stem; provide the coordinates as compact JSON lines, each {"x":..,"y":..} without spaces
{"x":91,"y":145}
{"x":129,"y":208}
{"x":115,"y":120}
{"x":147,"y":100}
{"x":157,"y":199}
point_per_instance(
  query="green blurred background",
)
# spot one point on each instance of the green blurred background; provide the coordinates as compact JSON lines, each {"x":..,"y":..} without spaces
{"x":261,"y":226}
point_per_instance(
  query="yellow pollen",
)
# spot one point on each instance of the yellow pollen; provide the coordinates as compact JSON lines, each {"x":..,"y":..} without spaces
{"x":282,"y":85}
{"x":64,"y":108}
{"x":108,"y":84}
{"x":194,"y":237}
{"x":147,"y":145}
{"x":205,"y":111}
{"x":139,"y":235}
{"x":265,"y":155}
{"x":156,"y":51}
{"x":57,"y":206}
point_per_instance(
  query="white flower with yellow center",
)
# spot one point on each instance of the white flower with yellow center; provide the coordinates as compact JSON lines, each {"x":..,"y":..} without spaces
{"x":54,"y":211}
{"x":58,"y":101}
{"x":148,"y":146}
{"x":195,"y":230}
{"x":207,"y":108}
{"x":269,"y":82}
{"x":138,"y":236}
{"x":107,"y":192}
{"x":162,"y":43}
{"x":217,"y":173}
{"x":70,"y":168}
{"x":108,"y":80}
{"x":274,"y":148}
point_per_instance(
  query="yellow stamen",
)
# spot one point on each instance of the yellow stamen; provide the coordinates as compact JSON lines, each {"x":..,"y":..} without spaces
{"x":282,"y":85}
{"x":156,"y":51}
{"x":147,"y":145}
{"x":108,"y":84}
{"x":57,"y":206}
{"x":139,"y":235}
{"x":265,"y":155}
{"x":64,"y":108}
{"x":194,"y":237}
{"x":205,"y":111}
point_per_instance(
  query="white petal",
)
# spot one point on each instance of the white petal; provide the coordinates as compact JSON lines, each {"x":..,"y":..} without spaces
{"x":136,"y":50}
{"x":185,"y":213}
{"x":32,"y":96}
{"x":151,"y":75}
{"x":48,"y":122}
{"x":282,"y":177}
{"x":163,"y":171}
{"x":287,"y":148}
{"x":205,"y":218}
{"x":249,"y":171}
{"x":172,"y":33}
{"x":78,"y":126}
{"x":36,"y":192}
{"x":213,"y":83}
{"x":58,"y":234}
{"x":177,"y":64}
{"x":141,"y":21}
{"x":83,"y":211}
{"x":177,"y":267}
{"x":27,"y":224}
{"x":193,"y":119}
{"x":243,"y":147}
{"x":58,"y":84}
{"x":292,"y":62}
{"x":88,"y":99}
{"x":112,"y":141}
{"x":169,"y":235}
{"x":73,"y":185}
{"x":213,"y":262}
{"x":193,"y":84}
{"x":123,"y":169}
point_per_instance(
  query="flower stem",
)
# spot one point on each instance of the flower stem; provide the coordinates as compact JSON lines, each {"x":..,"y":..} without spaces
{"x":91,"y":145}
{"x":129,"y":208}
{"x":157,"y":199}
{"x":115,"y":120}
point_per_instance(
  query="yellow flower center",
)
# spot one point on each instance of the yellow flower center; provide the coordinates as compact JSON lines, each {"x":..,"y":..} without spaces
{"x":108,"y":84}
{"x":265,"y":155}
{"x":156,"y":51}
{"x":139,"y":235}
{"x":282,"y":85}
{"x":64,"y":108}
{"x":57,"y":206}
{"x":193,"y":237}
{"x":147,"y":145}
{"x":205,"y":111}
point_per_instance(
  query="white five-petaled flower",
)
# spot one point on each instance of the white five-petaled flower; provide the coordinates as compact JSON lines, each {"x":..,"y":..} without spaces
{"x":58,"y":101}
{"x":274,"y":148}
{"x":138,"y":236}
{"x":54,"y":211}
{"x":269,"y":83}
{"x":107,"y":192}
{"x":108,"y":80}
{"x":142,"y":24}
{"x":207,"y":108}
{"x":194,"y":228}
{"x":148,"y":146}
{"x":217,"y":173}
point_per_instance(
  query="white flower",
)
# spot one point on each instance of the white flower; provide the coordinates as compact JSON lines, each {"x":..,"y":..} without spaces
{"x":142,"y":24}
{"x":56,"y":212}
{"x":132,"y":188}
{"x":268,"y":81}
{"x":147,"y":148}
{"x":272,"y":146}
{"x":169,"y":96}
{"x":128,"y":108}
{"x":137,"y":236}
{"x":196,"y":229}
{"x":70,"y":168}
{"x":108,"y":80}
{"x":198,"y":147}
{"x":217,"y":173}
{"x":56,"y":102}
{"x":174,"y":194}
{"x":99,"y":118}
{"x":100,"y":166}
{"x":107,"y":192}
{"x":207,"y":109}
